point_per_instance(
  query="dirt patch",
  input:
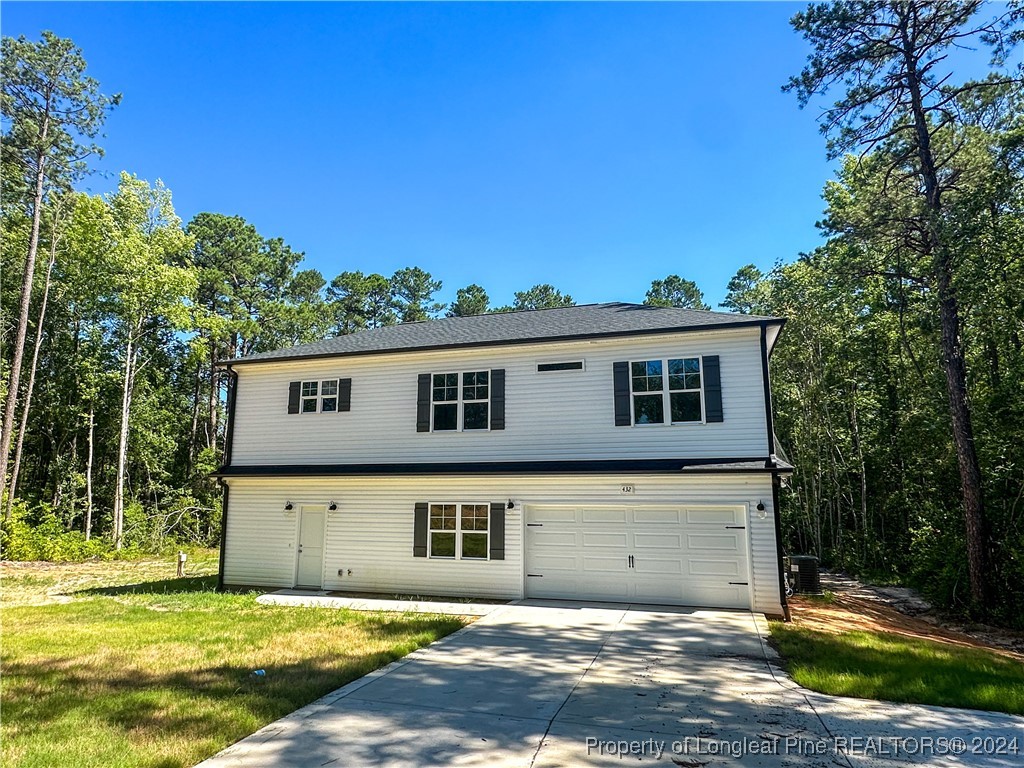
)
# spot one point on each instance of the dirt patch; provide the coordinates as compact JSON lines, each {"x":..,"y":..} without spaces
{"x":908,"y":602}
{"x":845,"y":613}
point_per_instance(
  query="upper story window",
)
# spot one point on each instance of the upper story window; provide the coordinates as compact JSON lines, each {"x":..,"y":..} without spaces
{"x":669,"y":389}
{"x":320,"y":396}
{"x":459,"y":531}
{"x":460,"y":401}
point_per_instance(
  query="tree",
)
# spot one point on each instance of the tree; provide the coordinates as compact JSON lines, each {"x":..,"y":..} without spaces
{"x":347,"y":302}
{"x":302,"y":315}
{"x":356,"y":301}
{"x":543,"y":296}
{"x":469,"y":301}
{"x":226,"y":256}
{"x":890,"y":59}
{"x":81,"y":361}
{"x":744,"y":292}
{"x":674,"y":291}
{"x":50,"y":111}
{"x":413,"y":291}
{"x":149,"y":292}
{"x":59,"y":210}
{"x":380,"y":301}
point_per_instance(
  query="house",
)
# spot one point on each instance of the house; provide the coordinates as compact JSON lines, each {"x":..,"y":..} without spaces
{"x":615,"y":452}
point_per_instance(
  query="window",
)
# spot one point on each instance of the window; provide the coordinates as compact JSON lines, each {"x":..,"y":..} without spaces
{"x":684,"y":389}
{"x":319,"y":396}
{"x":329,"y":395}
{"x":574,"y":365}
{"x":460,"y":400}
{"x":681,"y":399}
{"x":459,"y":531}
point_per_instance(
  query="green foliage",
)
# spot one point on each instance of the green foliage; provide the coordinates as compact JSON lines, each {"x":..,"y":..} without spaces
{"x":361,"y":301}
{"x":744,"y":291}
{"x":918,"y":223}
{"x":861,"y":48}
{"x":675,"y":291}
{"x":51,"y":109}
{"x":543,"y":296}
{"x":469,"y":301}
{"x":38,"y":534}
{"x":413,"y":291}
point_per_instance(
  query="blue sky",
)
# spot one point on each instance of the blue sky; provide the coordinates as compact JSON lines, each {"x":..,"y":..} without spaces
{"x":592,"y":146}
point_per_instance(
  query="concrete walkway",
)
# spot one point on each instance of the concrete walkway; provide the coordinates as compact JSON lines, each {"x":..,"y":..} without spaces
{"x":544,"y":683}
{"x":317,"y":599}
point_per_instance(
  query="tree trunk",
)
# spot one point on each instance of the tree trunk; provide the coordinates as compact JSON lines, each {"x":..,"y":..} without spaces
{"x":953,"y":363}
{"x":963,"y":438}
{"x":858,"y":450}
{"x":211,"y":436}
{"x":88,"y":473}
{"x":23,"y":426}
{"x":14,"y":381}
{"x":122,"y":443}
{"x":193,"y":447}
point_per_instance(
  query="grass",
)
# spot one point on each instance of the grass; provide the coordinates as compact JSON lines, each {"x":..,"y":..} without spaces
{"x":825,"y":598}
{"x":106,"y":664}
{"x":891,"y":667}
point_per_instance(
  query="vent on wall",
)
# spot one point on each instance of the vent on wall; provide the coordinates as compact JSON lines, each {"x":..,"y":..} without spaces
{"x":572,"y":365}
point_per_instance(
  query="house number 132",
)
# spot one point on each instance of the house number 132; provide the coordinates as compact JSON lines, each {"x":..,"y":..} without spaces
{"x":628,"y":489}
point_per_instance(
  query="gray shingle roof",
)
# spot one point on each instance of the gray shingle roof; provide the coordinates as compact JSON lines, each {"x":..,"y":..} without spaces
{"x":564,"y":323}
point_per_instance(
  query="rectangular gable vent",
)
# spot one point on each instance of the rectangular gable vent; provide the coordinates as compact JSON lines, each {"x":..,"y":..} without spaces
{"x":574,"y":365}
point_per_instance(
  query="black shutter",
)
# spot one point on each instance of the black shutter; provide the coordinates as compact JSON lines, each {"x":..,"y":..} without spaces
{"x":497,"y":531}
{"x":621,"y":376}
{"x":498,"y":398}
{"x":423,"y":403}
{"x":419,"y":530}
{"x":293,"y":396}
{"x":344,"y":394}
{"x":712,"y":388}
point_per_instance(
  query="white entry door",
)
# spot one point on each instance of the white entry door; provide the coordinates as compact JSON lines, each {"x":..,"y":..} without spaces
{"x":680,"y":555}
{"x":310,"y":571}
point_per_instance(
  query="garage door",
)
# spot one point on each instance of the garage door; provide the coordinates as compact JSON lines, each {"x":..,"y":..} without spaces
{"x":685,"y":555}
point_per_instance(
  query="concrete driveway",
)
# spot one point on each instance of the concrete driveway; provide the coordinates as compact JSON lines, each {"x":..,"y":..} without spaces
{"x":545,"y":683}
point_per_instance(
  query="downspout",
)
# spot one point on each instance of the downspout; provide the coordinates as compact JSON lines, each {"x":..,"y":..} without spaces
{"x":226,"y":492}
{"x":228,"y":438}
{"x":776,"y":481}
{"x":769,"y":422}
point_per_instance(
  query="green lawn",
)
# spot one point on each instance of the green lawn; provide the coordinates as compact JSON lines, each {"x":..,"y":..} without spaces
{"x":891,"y":667}
{"x":106,"y":664}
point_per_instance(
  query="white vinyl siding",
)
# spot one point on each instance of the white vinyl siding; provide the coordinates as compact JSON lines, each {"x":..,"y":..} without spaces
{"x":369,"y":538}
{"x":547,"y":417}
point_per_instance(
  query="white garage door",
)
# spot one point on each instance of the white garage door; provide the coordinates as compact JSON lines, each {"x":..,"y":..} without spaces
{"x":681,"y":555}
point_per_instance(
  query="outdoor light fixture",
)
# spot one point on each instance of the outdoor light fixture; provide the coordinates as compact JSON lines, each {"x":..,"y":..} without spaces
{"x":511,"y":504}
{"x":287,"y":506}
{"x":761,"y":512}
{"x":332,"y":506}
